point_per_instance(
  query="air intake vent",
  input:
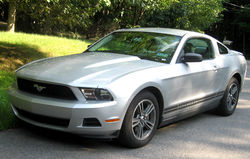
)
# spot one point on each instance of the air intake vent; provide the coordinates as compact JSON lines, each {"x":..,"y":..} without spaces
{"x":43,"y":119}
{"x":91,"y":122}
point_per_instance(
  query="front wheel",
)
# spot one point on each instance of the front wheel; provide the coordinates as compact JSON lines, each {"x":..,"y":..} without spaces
{"x":230,"y":98}
{"x":141,"y":121}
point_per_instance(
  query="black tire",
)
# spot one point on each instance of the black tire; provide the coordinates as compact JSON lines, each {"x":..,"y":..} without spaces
{"x":140,"y":131}
{"x":230,"y":99}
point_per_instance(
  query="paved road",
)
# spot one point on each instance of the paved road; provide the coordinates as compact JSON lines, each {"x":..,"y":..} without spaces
{"x":203,"y":136}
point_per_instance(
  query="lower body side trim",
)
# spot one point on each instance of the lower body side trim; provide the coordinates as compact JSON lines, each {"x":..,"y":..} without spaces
{"x":188,"y":109}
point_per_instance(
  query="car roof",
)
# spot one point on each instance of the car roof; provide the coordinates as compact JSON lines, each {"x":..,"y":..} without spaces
{"x":177,"y":32}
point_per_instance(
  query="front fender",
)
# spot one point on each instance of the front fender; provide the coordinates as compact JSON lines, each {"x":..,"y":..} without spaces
{"x":126,"y":88}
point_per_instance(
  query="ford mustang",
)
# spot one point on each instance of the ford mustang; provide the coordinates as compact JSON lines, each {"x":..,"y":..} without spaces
{"x":129,"y":83}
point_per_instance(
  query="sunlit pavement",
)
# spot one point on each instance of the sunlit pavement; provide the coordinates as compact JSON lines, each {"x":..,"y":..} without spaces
{"x":203,"y":136}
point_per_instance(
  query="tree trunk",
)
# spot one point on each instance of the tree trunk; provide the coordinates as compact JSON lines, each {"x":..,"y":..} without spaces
{"x":11,"y":16}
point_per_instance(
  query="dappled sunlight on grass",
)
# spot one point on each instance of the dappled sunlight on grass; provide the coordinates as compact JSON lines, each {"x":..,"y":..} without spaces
{"x":15,"y":55}
{"x":21,"y":48}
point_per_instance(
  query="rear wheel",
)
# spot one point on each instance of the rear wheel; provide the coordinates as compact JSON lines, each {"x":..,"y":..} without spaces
{"x":141,"y":121}
{"x":230,"y":98}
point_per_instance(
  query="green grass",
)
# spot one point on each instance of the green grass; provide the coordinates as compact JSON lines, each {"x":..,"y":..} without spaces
{"x":7,"y":119}
{"x":20,"y":48}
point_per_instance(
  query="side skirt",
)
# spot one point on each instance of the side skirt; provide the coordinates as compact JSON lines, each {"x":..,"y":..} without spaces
{"x":191,"y":108}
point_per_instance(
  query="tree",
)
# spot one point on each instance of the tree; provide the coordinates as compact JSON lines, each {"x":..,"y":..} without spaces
{"x":243,"y":22}
{"x":114,"y":14}
{"x":11,"y":8}
{"x":235,"y":25}
{"x":97,"y":17}
{"x":11,"y":16}
{"x":53,"y":16}
{"x":194,"y":15}
{"x":48,"y":16}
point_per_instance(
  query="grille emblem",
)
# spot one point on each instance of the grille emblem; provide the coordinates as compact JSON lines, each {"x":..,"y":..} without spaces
{"x":39,"y":88}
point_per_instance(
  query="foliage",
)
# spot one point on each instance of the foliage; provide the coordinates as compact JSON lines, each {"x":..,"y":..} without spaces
{"x":52,"y":16}
{"x":186,"y":14}
{"x":115,"y":14}
{"x":235,"y":25}
{"x":18,"y":49}
{"x":243,"y":18}
{"x":97,"y":17}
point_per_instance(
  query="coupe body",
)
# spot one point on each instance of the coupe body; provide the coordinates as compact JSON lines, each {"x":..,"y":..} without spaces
{"x":129,"y":83}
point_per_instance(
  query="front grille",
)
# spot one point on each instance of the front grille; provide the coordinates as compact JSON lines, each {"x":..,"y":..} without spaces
{"x":43,"y":119}
{"x":45,"y":89}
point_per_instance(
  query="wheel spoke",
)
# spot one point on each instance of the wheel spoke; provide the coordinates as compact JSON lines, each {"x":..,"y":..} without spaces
{"x":234,"y":100}
{"x":135,"y":122}
{"x":229,"y":101}
{"x":140,"y":131}
{"x":149,"y":109}
{"x":234,"y":90}
{"x":149,"y":124}
{"x":140,"y":106}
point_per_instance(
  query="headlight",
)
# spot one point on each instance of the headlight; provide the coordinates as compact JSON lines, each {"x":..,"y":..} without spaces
{"x":96,"y":94}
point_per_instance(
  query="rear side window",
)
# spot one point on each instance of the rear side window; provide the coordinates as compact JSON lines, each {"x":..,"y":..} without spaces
{"x":222,"y":49}
{"x":200,"y":46}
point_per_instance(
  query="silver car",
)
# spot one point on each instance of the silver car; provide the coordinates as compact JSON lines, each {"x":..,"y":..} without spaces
{"x":130,"y":83}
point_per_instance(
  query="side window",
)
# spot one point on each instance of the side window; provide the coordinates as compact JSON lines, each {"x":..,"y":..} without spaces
{"x":200,"y":46}
{"x":222,"y":49}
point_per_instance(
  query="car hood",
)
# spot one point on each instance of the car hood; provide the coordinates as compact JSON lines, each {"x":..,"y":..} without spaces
{"x":85,"y":70}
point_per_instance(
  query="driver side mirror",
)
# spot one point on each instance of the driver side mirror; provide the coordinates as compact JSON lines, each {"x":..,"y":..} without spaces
{"x":192,"y":57}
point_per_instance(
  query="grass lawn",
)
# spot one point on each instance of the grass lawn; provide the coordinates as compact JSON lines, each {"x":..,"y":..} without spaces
{"x":20,"y":48}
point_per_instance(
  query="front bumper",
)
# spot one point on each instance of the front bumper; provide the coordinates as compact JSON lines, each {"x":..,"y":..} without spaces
{"x":73,"y":111}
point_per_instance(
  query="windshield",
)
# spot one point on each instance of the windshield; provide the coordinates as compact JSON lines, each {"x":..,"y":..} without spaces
{"x":151,"y":46}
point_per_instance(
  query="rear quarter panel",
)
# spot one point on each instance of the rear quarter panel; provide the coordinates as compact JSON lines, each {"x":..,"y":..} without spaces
{"x":233,"y":63}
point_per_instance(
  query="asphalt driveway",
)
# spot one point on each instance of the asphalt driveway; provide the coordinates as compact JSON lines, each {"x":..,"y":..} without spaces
{"x":202,"y":136}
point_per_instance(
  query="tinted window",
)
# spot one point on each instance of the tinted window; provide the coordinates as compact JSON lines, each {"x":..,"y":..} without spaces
{"x":222,"y":49}
{"x":151,"y":46}
{"x":200,"y":46}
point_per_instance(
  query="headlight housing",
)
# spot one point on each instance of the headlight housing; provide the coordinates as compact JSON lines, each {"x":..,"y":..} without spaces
{"x":96,"y":94}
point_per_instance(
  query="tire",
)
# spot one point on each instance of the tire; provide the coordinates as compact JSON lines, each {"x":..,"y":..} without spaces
{"x":230,"y":99}
{"x":138,"y":126}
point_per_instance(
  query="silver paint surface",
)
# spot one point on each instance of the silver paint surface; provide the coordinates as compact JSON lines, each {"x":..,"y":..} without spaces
{"x":124,"y":76}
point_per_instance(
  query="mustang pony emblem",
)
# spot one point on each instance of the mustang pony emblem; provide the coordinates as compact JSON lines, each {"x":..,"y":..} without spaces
{"x":39,"y":88}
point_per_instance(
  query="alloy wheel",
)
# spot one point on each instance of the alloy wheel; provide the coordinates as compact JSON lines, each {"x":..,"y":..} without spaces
{"x":143,"y":119}
{"x":232,"y":97}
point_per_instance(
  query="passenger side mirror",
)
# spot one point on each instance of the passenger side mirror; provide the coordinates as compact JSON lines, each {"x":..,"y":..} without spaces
{"x":192,"y":57}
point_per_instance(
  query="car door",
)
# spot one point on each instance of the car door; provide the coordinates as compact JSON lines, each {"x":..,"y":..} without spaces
{"x":196,"y":82}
